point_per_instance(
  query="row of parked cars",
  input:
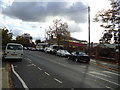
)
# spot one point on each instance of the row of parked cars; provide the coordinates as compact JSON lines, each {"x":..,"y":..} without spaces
{"x":15,"y":51}
{"x":75,"y":55}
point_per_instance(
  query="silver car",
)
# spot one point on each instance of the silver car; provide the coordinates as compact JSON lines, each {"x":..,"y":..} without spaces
{"x":63,"y":53}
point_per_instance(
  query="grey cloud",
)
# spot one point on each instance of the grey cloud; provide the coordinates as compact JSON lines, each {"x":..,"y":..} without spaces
{"x":38,"y":11}
{"x":74,"y":27}
{"x":16,"y":32}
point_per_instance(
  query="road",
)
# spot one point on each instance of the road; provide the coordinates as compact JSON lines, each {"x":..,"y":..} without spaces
{"x":43,"y":70}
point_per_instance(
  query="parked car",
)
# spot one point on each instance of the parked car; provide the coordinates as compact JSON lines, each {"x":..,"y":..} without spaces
{"x":13,"y":51}
{"x":63,"y":53}
{"x":54,"y":49}
{"x":33,"y":49}
{"x":25,"y":48}
{"x":29,"y":48}
{"x":42,"y":49}
{"x":37,"y":49}
{"x":47,"y":49}
{"x":79,"y":56}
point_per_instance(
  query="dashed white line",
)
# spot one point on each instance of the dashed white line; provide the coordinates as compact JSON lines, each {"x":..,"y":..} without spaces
{"x":58,"y":80}
{"x":47,"y":73}
{"x":29,"y":59}
{"x":34,"y":65}
{"x":39,"y":68}
{"x":72,"y":88}
{"x":110,"y":88}
{"x":23,"y":83}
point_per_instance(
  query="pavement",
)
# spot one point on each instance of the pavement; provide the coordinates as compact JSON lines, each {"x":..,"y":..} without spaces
{"x":0,"y":70}
{"x":4,"y":71}
{"x":5,"y":76}
{"x":0,"y":75}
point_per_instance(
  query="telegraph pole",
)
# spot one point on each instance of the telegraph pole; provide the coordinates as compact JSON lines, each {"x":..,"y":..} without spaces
{"x":89,"y":30}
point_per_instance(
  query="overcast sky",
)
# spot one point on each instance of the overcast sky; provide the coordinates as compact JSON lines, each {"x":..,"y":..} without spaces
{"x":34,"y":17}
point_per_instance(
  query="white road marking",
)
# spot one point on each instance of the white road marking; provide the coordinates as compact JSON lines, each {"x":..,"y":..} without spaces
{"x":110,"y":88}
{"x":99,"y":74}
{"x":111,"y":73}
{"x":104,"y":63}
{"x":104,"y":79}
{"x":23,"y":83}
{"x":72,"y":88}
{"x":39,"y":68}
{"x":47,"y":73}
{"x":34,"y":65}
{"x":93,"y":60}
{"x":29,"y":59}
{"x":58,"y":80}
{"x":30,"y":65}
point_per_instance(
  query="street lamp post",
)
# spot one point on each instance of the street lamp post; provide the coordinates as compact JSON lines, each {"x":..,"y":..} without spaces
{"x":89,"y":31}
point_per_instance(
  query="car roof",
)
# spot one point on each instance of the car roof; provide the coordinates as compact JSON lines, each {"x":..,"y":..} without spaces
{"x":13,"y":44}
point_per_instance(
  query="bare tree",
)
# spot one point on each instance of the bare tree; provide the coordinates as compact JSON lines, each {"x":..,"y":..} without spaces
{"x":111,"y":22}
{"x":59,"y":32}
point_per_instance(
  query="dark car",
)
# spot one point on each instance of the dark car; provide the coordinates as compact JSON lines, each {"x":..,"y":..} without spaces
{"x":79,"y":56}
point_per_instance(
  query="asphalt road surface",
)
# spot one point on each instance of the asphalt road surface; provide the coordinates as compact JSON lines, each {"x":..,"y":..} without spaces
{"x":43,"y":70}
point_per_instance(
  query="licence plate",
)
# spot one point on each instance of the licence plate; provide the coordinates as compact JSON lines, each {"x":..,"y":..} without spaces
{"x":13,"y":54}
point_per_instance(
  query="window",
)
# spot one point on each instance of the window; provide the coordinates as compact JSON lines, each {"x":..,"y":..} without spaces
{"x":14,"y":47}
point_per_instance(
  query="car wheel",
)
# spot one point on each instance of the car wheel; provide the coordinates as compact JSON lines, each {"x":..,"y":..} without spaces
{"x":88,"y":62}
{"x":20,"y":60}
{"x":3,"y":59}
{"x":68,"y":57}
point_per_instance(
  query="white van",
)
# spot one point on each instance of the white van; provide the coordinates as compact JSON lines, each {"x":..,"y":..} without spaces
{"x":13,"y":51}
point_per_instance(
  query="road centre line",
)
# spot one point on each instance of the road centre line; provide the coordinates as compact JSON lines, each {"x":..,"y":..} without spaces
{"x":72,"y":88}
{"x":52,"y":61}
{"x":47,"y":73}
{"x":84,"y":72}
{"x":29,"y":59}
{"x":110,"y":88}
{"x":33,"y":64}
{"x":58,"y":80}
{"x":17,"y":75}
{"x":39,"y":68}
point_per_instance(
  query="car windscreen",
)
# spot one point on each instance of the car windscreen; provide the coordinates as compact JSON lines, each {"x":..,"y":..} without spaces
{"x":82,"y":53}
{"x":65,"y":51}
{"x":14,"y":47}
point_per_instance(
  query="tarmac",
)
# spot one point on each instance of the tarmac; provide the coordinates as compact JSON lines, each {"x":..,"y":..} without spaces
{"x":5,"y":80}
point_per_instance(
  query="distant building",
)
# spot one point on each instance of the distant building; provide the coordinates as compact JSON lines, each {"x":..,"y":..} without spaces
{"x":76,"y":45}
{"x":27,"y":36}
